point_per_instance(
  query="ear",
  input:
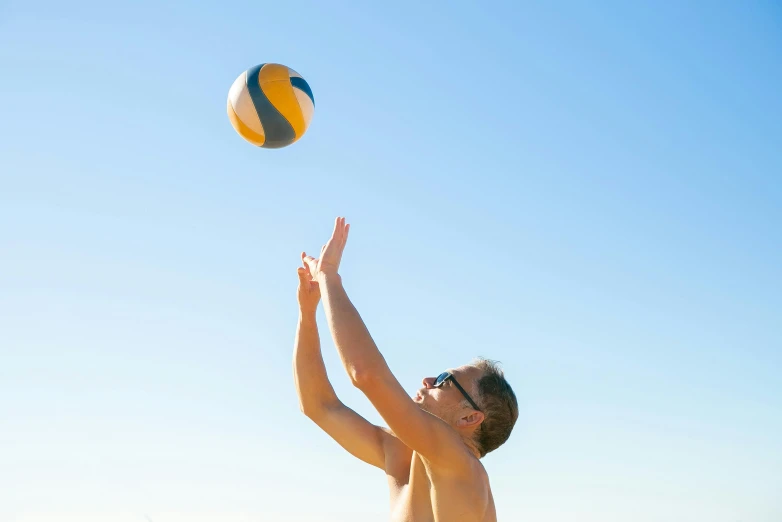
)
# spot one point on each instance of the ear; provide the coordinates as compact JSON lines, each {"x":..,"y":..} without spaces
{"x":473,"y":419}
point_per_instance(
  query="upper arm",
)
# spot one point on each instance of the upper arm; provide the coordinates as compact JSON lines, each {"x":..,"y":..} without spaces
{"x":421,"y":431}
{"x":353,"y":432}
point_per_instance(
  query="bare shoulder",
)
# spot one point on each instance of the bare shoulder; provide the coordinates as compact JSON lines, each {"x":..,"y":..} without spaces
{"x":471,"y":478}
{"x":479,"y":474}
{"x":467,"y":485}
{"x":482,"y":478}
{"x":465,"y":469}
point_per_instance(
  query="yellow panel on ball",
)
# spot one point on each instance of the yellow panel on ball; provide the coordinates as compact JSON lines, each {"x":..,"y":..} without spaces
{"x":270,"y":105}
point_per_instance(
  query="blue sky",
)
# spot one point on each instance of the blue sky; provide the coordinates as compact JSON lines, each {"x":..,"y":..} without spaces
{"x":590,"y":194}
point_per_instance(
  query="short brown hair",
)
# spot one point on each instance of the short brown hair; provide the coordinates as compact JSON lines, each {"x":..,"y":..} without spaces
{"x":499,"y":406}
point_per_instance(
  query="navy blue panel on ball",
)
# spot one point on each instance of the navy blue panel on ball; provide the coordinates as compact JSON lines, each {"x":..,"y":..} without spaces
{"x":277,"y":129}
{"x":303,"y":86}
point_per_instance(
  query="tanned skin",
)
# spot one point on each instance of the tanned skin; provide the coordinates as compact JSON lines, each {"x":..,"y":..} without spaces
{"x":431,"y":463}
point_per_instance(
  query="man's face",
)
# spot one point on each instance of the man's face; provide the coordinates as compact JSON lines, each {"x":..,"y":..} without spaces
{"x":446,"y":401}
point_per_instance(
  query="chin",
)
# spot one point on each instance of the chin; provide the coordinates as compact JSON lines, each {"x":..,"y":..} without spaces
{"x":425,"y":407}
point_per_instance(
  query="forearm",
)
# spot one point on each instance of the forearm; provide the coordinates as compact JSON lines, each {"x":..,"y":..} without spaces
{"x":357,"y":350}
{"x":309,"y":372}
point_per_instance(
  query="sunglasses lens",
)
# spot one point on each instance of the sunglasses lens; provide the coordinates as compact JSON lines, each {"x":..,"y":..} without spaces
{"x":441,"y":378}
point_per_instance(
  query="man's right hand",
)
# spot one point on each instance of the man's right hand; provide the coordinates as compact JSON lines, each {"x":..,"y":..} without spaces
{"x":331,"y":253}
{"x":309,"y":291}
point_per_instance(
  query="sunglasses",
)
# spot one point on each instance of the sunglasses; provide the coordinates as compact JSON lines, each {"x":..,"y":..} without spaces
{"x":447,"y":376}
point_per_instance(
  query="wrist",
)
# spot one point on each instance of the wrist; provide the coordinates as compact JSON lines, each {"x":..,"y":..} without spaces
{"x":307,"y":315}
{"x":328,"y":275}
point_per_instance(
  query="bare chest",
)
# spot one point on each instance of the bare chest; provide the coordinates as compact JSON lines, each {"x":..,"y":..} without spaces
{"x":420,"y":494}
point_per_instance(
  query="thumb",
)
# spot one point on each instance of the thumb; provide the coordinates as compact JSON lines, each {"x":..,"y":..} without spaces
{"x":308,"y":260}
{"x":302,"y":274}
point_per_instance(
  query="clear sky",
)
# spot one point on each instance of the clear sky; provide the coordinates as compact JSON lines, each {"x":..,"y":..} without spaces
{"x":590,"y":195}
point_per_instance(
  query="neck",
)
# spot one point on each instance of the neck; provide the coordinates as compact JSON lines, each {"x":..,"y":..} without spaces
{"x":472,"y":446}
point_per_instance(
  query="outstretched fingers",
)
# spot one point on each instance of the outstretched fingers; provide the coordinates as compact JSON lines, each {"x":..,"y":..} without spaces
{"x":335,"y":235}
{"x":340,"y":234}
{"x":331,"y":252}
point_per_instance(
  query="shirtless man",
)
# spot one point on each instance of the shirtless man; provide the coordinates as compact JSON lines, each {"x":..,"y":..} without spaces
{"x":431,"y":451}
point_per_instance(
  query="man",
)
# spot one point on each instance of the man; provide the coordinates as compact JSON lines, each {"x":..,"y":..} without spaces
{"x":431,"y":450}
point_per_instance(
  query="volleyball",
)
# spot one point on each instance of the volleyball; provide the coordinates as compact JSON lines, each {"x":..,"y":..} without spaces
{"x":270,"y":105}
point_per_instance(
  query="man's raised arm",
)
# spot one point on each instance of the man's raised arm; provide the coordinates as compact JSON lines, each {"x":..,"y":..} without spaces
{"x":368,"y":371}
{"x":317,"y":399}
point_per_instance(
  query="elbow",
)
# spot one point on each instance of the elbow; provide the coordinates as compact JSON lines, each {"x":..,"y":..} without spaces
{"x":361,"y":378}
{"x":315,"y":410}
{"x":307,"y":406}
{"x":311,"y":412}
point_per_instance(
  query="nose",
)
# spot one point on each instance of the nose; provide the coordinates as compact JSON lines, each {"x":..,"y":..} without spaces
{"x":428,"y":382}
